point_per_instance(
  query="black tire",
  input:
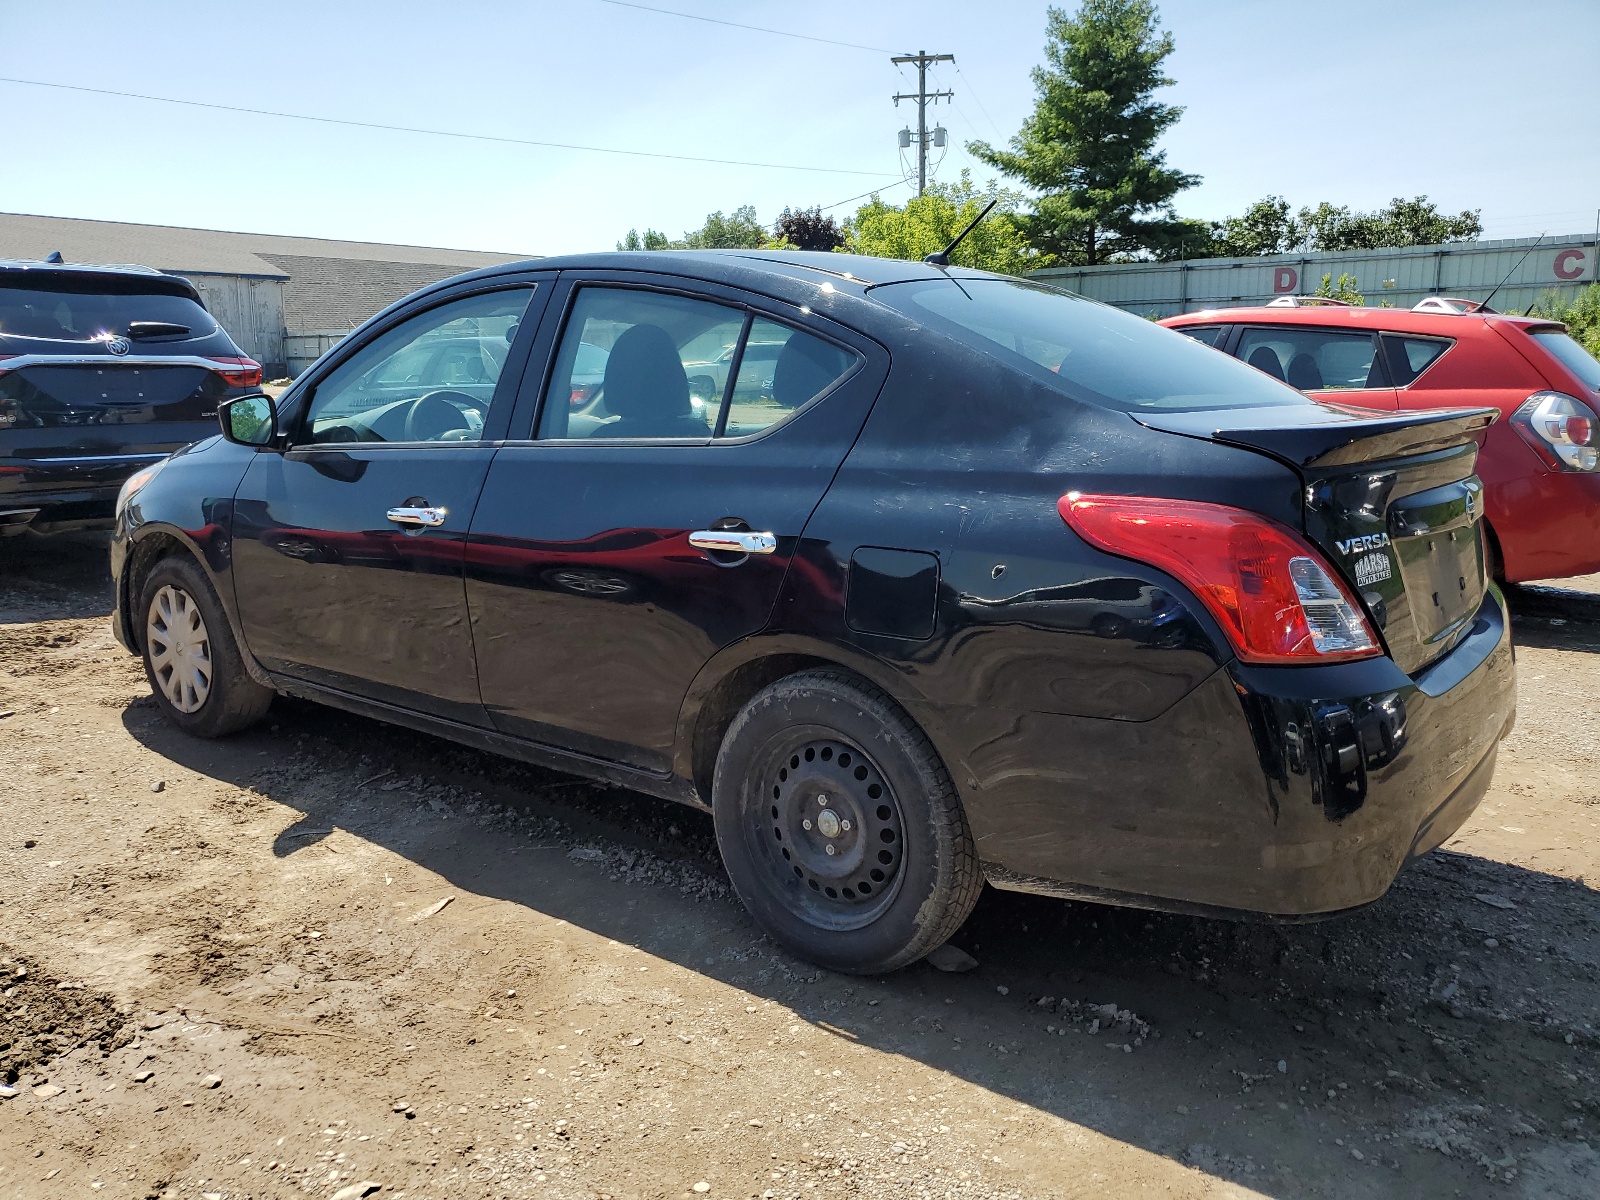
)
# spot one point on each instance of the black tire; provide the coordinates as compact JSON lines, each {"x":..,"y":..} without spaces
{"x":230,"y":700}
{"x":824,"y":759}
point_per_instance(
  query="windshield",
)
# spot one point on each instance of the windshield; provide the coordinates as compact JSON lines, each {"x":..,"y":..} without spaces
{"x":66,"y":316}
{"x":1091,"y":351}
{"x":1572,"y":355}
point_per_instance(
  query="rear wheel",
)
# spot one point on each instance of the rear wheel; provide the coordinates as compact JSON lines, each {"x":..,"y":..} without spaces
{"x":840,"y":826}
{"x":190,"y":657}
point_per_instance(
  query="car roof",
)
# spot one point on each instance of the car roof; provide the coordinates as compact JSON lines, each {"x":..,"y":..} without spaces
{"x":1396,"y":320}
{"x":119,"y":277}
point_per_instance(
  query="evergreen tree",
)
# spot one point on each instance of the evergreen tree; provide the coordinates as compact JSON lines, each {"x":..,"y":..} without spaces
{"x":1089,"y":150}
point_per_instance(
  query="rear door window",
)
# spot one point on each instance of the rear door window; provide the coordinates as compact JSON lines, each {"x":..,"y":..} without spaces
{"x":1314,"y":360}
{"x":1409,"y":357}
{"x":662,"y":366}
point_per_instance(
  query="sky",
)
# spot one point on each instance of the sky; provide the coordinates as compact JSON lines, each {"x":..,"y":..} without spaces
{"x":1475,"y":104}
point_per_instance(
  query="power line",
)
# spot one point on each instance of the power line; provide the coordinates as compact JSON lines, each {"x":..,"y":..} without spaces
{"x":864,"y":195}
{"x":974,"y":93}
{"x":446,"y":133}
{"x":805,"y":37}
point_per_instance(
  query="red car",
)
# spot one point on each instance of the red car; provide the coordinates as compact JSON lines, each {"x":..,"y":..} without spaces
{"x":1540,"y":464}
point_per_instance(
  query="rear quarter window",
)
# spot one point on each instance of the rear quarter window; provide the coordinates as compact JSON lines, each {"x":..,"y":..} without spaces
{"x":1409,"y":357}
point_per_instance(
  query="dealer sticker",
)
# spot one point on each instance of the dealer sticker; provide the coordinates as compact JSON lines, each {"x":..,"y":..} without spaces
{"x":1373,"y":568}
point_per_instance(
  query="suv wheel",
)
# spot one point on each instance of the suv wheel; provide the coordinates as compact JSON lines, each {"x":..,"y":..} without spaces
{"x":840,"y":826}
{"x":190,"y":657}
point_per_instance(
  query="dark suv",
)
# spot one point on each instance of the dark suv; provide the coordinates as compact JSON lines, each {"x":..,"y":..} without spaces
{"x":103,"y":370}
{"x":956,"y":577}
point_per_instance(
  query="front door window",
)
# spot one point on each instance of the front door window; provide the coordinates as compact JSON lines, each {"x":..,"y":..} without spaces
{"x":429,"y":379}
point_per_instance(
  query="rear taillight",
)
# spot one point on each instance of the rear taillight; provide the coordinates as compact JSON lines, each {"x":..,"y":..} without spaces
{"x":239,"y":372}
{"x":1275,"y":597}
{"x":1561,"y":429}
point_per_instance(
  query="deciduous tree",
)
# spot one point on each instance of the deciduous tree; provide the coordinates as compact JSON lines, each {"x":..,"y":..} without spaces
{"x":929,"y":222}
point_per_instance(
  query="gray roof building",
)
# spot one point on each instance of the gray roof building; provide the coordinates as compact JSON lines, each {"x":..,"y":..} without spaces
{"x":283,"y":299}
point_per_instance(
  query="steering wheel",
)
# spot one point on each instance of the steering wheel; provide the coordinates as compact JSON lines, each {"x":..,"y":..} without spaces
{"x":432,"y":415}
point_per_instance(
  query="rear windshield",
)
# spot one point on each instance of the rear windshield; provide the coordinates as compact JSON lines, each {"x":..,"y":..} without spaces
{"x":1572,"y":355}
{"x":70,"y":316}
{"x":1089,"y":350}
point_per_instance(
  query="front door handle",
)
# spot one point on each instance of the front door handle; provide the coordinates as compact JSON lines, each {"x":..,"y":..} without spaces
{"x":426,"y":516}
{"x":734,"y":541}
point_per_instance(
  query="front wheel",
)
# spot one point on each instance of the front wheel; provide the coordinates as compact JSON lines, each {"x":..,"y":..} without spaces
{"x":190,"y":657}
{"x":840,"y":826}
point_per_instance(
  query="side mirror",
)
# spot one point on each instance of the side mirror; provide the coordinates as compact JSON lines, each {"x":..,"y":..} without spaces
{"x":248,"y":420}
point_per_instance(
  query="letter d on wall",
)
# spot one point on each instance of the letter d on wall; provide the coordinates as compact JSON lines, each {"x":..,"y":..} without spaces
{"x":1285,"y":279}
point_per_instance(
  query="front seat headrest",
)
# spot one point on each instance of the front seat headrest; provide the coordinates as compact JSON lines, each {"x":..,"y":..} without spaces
{"x":644,"y":381}
{"x":1303,"y":373}
{"x":1265,"y":358}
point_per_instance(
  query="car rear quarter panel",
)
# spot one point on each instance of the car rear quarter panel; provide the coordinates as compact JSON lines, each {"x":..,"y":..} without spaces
{"x":964,"y":460}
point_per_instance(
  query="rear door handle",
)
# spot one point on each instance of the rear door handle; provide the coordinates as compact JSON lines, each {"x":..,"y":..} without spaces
{"x":428,"y":517}
{"x":734,"y":541}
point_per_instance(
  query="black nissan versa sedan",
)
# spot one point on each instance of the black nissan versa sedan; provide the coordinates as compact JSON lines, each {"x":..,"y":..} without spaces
{"x":978,"y":580}
{"x":103,"y":370}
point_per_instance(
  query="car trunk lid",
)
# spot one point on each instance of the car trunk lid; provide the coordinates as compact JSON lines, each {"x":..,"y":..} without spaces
{"x":1390,"y":498}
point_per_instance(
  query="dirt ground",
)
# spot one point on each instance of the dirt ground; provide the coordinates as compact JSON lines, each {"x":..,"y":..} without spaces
{"x":226,"y":972}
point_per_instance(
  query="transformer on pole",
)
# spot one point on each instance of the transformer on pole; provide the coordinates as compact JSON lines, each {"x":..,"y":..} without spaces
{"x":923,"y":97}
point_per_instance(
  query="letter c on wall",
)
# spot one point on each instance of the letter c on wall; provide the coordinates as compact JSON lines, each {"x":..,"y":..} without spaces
{"x":1569,"y":264}
{"x":1286,"y":279}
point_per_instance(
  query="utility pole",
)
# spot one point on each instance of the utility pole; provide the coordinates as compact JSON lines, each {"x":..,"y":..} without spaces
{"x":923,"y":98}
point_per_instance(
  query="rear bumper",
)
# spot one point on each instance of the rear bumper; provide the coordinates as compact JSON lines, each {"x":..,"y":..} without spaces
{"x":1286,"y":792}
{"x":51,"y":495}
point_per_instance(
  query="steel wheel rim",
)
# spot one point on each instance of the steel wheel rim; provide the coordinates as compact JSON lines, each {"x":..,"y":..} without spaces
{"x":826,"y":792}
{"x":179,"y":648}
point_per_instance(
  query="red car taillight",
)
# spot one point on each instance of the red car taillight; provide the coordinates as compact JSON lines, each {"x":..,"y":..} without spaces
{"x":239,"y":372}
{"x":1561,"y":429}
{"x":1275,"y":597}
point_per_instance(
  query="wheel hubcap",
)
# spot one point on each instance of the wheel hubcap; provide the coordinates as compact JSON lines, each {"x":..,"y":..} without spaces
{"x":179,"y":649}
{"x":836,"y":829}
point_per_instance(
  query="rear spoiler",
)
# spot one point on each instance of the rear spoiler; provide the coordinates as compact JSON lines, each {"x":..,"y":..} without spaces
{"x":1327,"y":435}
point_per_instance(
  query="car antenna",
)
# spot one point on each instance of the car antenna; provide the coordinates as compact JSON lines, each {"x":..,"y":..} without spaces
{"x":941,"y":258}
{"x":1484,"y":306}
{"x":53,"y":257}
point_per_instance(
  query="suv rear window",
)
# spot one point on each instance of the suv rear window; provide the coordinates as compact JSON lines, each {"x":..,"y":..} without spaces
{"x":1572,"y":355}
{"x":74,"y":316}
{"x":1091,"y":351}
